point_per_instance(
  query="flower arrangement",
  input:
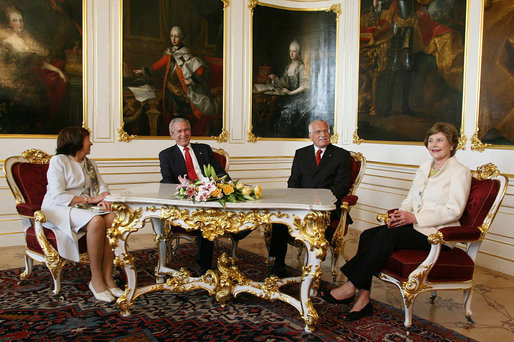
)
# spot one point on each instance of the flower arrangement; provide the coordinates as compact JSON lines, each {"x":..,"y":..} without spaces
{"x":213,"y":188}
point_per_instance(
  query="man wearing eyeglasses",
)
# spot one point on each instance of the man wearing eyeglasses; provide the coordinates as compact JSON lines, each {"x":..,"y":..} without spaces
{"x":320,"y":165}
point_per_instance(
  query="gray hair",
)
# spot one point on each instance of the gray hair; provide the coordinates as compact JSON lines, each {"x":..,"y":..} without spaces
{"x":318,"y":120}
{"x":178,"y":30}
{"x":174,"y":121}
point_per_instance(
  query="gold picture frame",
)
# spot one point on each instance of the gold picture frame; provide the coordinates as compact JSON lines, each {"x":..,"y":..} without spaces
{"x":282,"y":105}
{"x":155,"y":89}
{"x":43,"y":91}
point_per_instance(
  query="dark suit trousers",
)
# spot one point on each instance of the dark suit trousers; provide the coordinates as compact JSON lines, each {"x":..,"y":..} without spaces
{"x":205,"y":248}
{"x":278,"y":244}
{"x":375,"y":247}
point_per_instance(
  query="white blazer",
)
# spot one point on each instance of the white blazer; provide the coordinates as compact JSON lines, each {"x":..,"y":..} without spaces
{"x":66,"y":178}
{"x":438,"y":201}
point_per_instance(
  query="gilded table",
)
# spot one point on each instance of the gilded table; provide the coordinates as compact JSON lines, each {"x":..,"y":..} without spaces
{"x":305,"y":211}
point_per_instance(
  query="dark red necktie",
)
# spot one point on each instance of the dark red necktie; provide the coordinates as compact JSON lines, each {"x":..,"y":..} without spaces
{"x":189,"y":165}
{"x":318,"y":156}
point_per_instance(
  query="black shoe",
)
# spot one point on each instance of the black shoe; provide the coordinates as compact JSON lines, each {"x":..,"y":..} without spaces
{"x":327,"y":297}
{"x":279,"y":270}
{"x":203,"y":270}
{"x":355,"y":315}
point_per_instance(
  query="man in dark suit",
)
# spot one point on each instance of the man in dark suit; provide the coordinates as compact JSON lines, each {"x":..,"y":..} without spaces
{"x":173,"y":162}
{"x":320,"y":165}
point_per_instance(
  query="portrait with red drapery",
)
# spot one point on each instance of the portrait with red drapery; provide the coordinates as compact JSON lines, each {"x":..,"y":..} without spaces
{"x":40,"y":66}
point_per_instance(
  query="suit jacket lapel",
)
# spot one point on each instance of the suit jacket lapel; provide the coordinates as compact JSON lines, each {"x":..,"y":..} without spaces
{"x":179,"y":161}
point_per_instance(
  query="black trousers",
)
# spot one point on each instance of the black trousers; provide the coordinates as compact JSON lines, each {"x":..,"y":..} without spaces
{"x":278,"y":244}
{"x":375,"y":247}
{"x":206,"y":247}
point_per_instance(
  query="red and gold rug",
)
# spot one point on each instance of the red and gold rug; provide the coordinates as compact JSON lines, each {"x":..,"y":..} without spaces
{"x":30,"y":312}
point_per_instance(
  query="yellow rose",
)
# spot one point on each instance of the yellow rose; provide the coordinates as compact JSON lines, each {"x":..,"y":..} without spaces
{"x":215,"y":193}
{"x":240,"y":186}
{"x":227,"y":189}
{"x":258,"y":191}
{"x":247,"y":191}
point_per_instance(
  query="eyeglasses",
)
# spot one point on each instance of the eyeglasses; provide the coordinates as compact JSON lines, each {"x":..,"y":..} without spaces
{"x":319,"y":131}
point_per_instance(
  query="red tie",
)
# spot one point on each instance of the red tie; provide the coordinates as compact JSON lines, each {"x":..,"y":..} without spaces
{"x":189,"y":165}
{"x":318,"y":156}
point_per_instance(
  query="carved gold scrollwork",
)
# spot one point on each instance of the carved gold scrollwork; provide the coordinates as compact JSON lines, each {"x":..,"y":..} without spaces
{"x":315,"y":275}
{"x":270,"y":287}
{"x":178,"y":282}
{"x":334,"y":137}
{"x":436,"y":238}
{"x":124,"y":305}
{"x":356,"y":139}
{"x":461,"y":145}
{"x":124,"y":136}
{"x":312,"y":317}
{"x":336,"y":8}
{"x":53,"y":260}
{"x":223,"y":137}
{"x":312,"y":229}
{"x":125,"y":221}
{"x":383,"y":218}
{"x":214,"y":223}
{"x":252,"y":4}
{"x":226,"y":3}
{"x":251,"y":137}
{"x":125,"y":259}
{"x":413,"y":286}
{"x":229,"y":276}
{"x":486,"y":171}
{"x":476,"y":144}
{"x":36,"y":156}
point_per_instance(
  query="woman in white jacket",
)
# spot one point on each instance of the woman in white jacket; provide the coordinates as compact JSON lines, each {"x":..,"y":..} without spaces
{"x":437,"y":198}
{"x":74,"y":204}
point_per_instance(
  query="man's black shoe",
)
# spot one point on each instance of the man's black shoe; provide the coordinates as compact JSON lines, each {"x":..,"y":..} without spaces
{"x":279,"y":270}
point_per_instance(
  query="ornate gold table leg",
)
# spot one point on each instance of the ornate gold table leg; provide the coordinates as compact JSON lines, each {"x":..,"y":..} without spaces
{"x":126,"y":222}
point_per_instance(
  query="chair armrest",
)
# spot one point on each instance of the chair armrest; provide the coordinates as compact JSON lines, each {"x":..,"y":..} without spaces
{"x":384,"y":218}
{"x":348,"y":201}
{"x":459,"y":234}
{"x":27,"y":209}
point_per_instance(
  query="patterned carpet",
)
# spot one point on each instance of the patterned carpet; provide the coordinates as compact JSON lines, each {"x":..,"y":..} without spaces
{"x":30,"y":312}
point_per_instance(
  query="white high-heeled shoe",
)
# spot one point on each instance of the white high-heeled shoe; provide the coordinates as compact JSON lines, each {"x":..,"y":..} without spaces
{"x":116,"y":292}
{"x":104,"y":296}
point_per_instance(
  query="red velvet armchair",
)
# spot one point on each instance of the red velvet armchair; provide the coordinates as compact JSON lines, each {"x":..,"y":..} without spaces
{"x":26,"y":176}
{"x":416,"y":271}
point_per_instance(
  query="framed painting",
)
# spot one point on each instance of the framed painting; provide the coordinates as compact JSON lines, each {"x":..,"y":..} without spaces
{"x":40,"y":66}
{"x":411,"y":62}
{"x":172,"y":67}
{"x":293,"y":70}
{"x":495,"y":124}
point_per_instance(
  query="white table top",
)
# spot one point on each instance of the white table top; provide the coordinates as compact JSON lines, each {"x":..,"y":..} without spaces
{"x":164,"y":194}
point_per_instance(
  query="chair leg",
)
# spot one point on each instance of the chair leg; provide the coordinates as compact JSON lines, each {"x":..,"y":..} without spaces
{"x":55,"y":268}
{"x":334,"y":259}
{"x":433,"y":297}
{"x":408,"y":310}
{"x":29,"y":262}
{"x":468,"y":293}
{"x":177,"y":241}
{"x":234,"y":247}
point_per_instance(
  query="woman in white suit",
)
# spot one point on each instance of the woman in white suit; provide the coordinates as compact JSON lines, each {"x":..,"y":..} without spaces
{"x":436,"y":199}
{"x":74,"y":204}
